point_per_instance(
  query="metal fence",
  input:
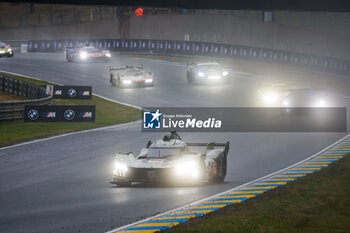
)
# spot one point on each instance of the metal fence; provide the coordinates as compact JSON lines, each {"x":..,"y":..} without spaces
{"x":11,"y":110}
{"x":171,"y":47}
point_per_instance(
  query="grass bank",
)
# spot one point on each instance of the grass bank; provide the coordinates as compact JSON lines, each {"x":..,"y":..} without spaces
{"x":319,"y":202}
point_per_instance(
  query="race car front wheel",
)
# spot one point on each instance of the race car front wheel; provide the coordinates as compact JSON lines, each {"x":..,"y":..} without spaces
{"x":123,"y":183}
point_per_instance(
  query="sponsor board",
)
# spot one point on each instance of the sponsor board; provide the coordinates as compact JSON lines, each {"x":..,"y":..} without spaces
{"x":244,"y":119}
{"x":71,"y":92}
{"x":57,"y":113}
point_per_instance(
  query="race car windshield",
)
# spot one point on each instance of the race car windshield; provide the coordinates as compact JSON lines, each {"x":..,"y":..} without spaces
{"x":133,"y":72}
{"x":160,"y":152}
{"x":209,"y":67}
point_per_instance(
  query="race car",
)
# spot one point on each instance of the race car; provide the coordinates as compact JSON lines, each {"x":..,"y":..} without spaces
{"x":86,"y":53}
{"x":307,"y":98}
{"x":207,"y":73}
{"x":130,"y":76}
{"x":272,"y":95}
{"x":5,"y":50}
{"x":171,"y":160}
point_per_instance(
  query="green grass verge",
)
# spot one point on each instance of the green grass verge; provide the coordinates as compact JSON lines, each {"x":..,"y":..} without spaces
{"x":4,"y":96}
{"x":319,"y":202}
{"x":107,"y":113}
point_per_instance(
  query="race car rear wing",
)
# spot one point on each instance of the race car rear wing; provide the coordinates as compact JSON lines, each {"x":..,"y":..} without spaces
{"x":211,"y":145}
{"x":125,"y":67}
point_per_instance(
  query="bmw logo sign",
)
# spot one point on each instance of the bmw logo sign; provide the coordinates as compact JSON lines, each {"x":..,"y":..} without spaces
{"x":69,"y":114}
{"x":72,"y":92}
{"x":33,"y":114}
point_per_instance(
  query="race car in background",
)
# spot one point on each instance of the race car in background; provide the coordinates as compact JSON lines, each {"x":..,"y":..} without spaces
{"x":307,"y":98}
{"x":207,"y":73}
{"x":171,"y":160}
{"x":5,"y":50}
{"x":273,"y":95}
{"x":130,"y":76}
{"x":86,"y":53}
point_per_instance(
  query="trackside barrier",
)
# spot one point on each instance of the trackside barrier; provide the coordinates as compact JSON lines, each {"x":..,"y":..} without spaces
{"x":172,"y":47}
{"x":12,"y":110}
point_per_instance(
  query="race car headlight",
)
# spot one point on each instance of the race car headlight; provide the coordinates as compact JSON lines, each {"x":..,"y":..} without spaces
{"x":108,"y":54}
{"x":149,"y":80}
{"x":200,"y":74}
{"x":120,"y":169}
{"x":270,"y":97}
{"x":9,"y":50}
{"x":225,"y":73}
{"x":285,"y":103}
{"x":120,"y":166}
{"x":127,"y":82}
{"x":83,"y":55}
{"x":320,"y":103}
{"x":187,"y":168}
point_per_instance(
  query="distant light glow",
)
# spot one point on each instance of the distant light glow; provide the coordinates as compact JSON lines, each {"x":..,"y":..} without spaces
{"x":139,"y":12}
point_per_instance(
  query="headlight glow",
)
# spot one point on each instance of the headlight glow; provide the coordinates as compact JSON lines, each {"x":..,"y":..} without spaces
{"x":285,"y":103}
{"x":120,"y":166}
{"x":225,"y":73}
{"x":200,"y":74}
{"x":321,"y":103}
{"x":187,"y":168}
{"x":149,"y":80}
{"x":270,"y":97}
{"x":83,"y":55}
{"x":108,"y":54}
{"x":127,"y":82}
{"x":9,"y":49}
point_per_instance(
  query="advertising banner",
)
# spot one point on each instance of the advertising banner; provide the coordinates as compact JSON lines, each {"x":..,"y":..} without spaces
{"x":244,"y":119}
{"x":59,"y":113}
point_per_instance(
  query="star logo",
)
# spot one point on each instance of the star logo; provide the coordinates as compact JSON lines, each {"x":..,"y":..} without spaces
{"x":156,"y":115}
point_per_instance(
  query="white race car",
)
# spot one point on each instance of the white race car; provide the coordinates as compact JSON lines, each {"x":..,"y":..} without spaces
{"x":86,"y":53}
{"x":172,"y":160}
{"x":207,"y":73}
{"x":130,"y":76}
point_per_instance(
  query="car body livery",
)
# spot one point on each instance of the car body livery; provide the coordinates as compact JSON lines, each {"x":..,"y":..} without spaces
{"x":130,"y":76}
{"x":207,"y":73}
{"x":171,"y":160}
{"x":5,"y":50}
{"x":86,"y":53}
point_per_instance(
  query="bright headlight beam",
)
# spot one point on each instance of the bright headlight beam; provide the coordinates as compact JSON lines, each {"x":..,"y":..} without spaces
{"x":127,"y":82}
{"x":108,"y":55}
{"x":224,"y":73}
{"x":270,"y":97}
{"x":200,"y":74}
{"x":149,"y":80}
{"x":83,"y":55}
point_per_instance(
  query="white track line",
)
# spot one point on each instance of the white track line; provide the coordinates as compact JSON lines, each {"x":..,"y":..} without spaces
{"x":230,"y":190}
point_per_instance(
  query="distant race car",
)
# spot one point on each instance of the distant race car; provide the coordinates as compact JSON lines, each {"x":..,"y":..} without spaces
{"x":207,"y":73}
{"x":171,"y":160}
{"x":86,"y":53}
{"x":307,"y":98}
{"x":130,"y":76}
{"x":5,"y":50}
{"x":273,"y":95}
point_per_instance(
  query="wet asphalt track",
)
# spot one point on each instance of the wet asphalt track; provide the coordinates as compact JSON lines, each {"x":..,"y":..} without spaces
{"x":62,"y":184}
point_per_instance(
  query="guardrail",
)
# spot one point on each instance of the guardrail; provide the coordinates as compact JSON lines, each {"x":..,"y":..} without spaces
{"x":14,"y":110}
{"x":166,"y":47}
